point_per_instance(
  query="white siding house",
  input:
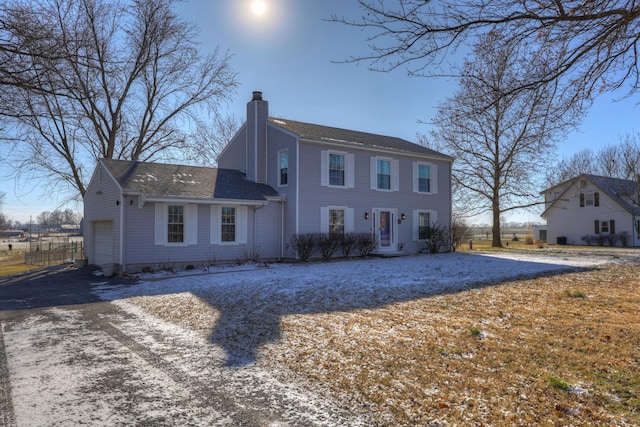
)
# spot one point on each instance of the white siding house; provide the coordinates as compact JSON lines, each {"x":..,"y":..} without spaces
{"x":276,"y":178}
{"x":594,"y":210}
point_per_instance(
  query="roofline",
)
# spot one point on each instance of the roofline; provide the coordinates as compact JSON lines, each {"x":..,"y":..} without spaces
{"x":196,"y":200}
{"x":442,"y":157}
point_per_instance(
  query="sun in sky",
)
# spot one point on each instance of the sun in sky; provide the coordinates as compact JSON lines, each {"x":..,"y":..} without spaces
{"x":258,"y":7}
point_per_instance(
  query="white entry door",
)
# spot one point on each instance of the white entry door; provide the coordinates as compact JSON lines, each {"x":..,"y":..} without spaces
{"x":386,"y":226}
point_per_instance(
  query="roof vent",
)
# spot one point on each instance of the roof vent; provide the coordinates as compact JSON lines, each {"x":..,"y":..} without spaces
{"x":257,"y":95}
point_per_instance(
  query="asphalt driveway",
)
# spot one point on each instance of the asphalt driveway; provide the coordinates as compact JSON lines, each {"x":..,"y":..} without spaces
{"x":68,"y":358}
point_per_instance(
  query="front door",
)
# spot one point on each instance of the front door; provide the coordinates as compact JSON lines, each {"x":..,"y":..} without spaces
{"x":385,"y":221}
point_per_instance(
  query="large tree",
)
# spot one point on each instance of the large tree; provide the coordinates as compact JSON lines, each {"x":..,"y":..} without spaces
{"x":595,"y":43}
{"x":88,"y":79}
{"x":501,"y":139}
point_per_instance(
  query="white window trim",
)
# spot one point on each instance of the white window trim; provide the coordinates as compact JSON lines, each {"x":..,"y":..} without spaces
{"x":288,"y":168}
{"x":242,"y":225}
{"x":349,"y":218}
{"x":349,"y":169}
{"x":161,"y":229}
{"x":394,"y":170}
{"x":433,"y":219}
{"x":433,"y":177}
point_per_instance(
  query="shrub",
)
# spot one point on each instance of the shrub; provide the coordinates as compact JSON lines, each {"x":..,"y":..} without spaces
{"x":528,"y":239}
{"x":460,"y":233}
{"x":304,"y":245}
{"x":347,"y":243}
{"x":588,"y":239}
{"x":366,"y":243}
{"x":327,"y":243}
{"x":624,"y":238}
{"x":438,"y":239}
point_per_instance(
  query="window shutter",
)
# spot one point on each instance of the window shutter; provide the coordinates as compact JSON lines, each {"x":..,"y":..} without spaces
{"x":324,"y":168}
{"x":395,"y":175}
{"x":596,"y":199}
{"x":349,"y":220}
{"x":612,"y":227}
{"x":416,"y":225}
{"x":415,"y":178}
{"x":160,"y":234}
{"x":215,"y":225}
{"x":242,"y":224}
{"x":351,"y":171}
{"x":597,"y":226}
{"x":192,"y":224}
{"x":373,"y":172}
{"x":324,"y":219}
{"x":582,"y":200}
{"x":433,"y":170}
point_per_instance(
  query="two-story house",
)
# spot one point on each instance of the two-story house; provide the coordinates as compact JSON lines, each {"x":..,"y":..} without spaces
{"x":591,"y":209}
{"x":275,"y":179}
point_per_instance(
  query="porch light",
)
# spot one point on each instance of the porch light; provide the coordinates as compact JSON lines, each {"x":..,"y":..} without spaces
{"x":366,"y":215}
{"x":403,"y":217}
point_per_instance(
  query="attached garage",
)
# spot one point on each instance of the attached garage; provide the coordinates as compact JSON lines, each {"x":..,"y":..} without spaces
{"x":103,"y":242}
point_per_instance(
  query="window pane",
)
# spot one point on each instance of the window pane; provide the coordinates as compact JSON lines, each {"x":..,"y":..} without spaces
{"x":175,"y":224}
{"x":284,"y":167}
{"x":336,"y":169}
{"x":423,"y":225}
{"x":384,"y":174}
{"x":424,"y":181}
{"x":228,"y":230}
{"x":336,"y":221}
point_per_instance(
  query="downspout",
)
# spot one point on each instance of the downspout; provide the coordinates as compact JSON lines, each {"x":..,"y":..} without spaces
{"x":281,"y":230}
{"x":297,"y":185}
{"x":122,"y":222}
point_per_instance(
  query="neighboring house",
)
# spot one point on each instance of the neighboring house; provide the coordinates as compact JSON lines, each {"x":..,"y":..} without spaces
{"x":590,"y":209}
{"x":276,"y":178}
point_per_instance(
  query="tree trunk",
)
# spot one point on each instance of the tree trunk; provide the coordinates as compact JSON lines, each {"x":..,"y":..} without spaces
{"x":496,"y":242}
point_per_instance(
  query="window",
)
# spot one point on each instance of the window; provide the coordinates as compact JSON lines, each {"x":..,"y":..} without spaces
{"x":228,"y":231}
{"x":283,"y":161}
{"x":589,"y":199}
{"x":175,"y":228}
{"x":424,"y":225}
{"x":336,"y":169}
{"x":175,"y":225}
{"x":384,"y":174}
{"x":336,"y":221}
{"x":604,"y":226}
{"x":424,"y":179}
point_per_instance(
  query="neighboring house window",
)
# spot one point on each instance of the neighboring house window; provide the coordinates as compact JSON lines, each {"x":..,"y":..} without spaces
{"x":175,"y":228}
{"x":425,"y":178}
{"x":283,"y":161}
{"x":589,"y":199}
{"x":228,"y":231}
{"x":229,"y":225}
{"x":176,"y":224}
{"x":423,"y":220}
{"x":336,"y":221}
{"x":384,"y":174}
{"x":337,"y":169}
{"x":605,"y":226}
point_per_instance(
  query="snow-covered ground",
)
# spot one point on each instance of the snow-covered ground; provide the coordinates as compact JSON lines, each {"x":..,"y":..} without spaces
{"x":185,"y":348}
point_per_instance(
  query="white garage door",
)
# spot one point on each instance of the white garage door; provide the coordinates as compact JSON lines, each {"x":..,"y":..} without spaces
{"x":103,"y":242}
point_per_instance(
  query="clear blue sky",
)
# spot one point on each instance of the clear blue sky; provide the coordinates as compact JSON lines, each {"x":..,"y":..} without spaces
{"x":289,"y":52}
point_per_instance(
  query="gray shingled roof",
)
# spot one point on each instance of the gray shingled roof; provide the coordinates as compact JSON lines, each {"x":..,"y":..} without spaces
{"x":168,"y":180}
{"x":619,"y":190}
{"x":350,"y":137}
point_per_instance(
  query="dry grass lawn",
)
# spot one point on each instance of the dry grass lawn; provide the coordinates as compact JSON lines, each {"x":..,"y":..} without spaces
{"x":558,"y":350}
{"x":13,"y":263}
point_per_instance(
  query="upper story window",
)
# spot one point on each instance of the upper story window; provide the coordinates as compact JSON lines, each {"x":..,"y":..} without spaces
{"x":384,"y":174}
{"x":425,"y":178}
{"x":337,"y":169}
{"x":283,"y":167}
{"x":175,"y":224}
{"x":589,"y":199}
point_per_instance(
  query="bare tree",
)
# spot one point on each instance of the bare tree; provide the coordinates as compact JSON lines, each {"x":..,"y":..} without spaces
{"x":595,"y":43}
{"x":88,"y":79}
{"x":211,"y":138}
{"x":502,"y":139}
{"x":583,"y":161}
{"x":3,"y":218}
